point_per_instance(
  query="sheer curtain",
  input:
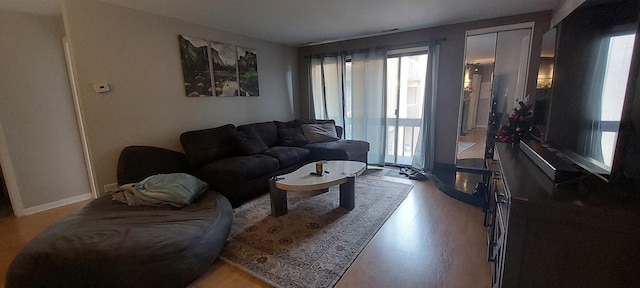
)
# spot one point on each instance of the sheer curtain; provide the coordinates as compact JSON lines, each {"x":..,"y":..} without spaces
{"x":368,"y":83}
{"x":356,"y":103}
{"x":327,"y":82}
{"x":590,"y":135}
{"x":424,"y":154}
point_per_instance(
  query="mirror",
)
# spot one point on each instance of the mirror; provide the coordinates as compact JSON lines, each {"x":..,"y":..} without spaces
{"x":543,"y":85}
{"x":476,"y":98}
{"x":494,"y":81}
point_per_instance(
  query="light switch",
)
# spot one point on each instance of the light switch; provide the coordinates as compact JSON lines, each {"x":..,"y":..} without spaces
{"x":101,"y":87}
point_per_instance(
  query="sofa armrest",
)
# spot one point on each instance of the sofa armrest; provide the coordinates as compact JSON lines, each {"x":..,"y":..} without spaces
{"x":139,"y":162}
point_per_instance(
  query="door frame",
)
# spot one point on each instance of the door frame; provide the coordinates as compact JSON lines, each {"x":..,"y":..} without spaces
{"x":9,"y":176}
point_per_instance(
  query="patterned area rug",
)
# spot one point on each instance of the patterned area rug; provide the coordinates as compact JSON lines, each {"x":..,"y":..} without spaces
{"x":383,"y":171}
{"x":315,"y":243}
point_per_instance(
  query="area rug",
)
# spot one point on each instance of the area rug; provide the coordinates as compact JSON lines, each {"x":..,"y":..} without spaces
{"x":315,"y":243}
{"x":381,"y":171}
{"x":464,"y":146}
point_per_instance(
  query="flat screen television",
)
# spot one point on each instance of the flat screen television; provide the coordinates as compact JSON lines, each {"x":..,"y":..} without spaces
{"x":594,"y":53}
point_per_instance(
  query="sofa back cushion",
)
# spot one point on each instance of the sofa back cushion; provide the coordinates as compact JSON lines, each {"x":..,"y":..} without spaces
{"x":320,"y":132}
{"x":290,"y":133}
{"x":203,"y":146}
{"x":322,"y":121}
{"x":267,"y":131}
{"x":139,"y":162}
{"x":291,"y":137}
{"x":248,"y":142}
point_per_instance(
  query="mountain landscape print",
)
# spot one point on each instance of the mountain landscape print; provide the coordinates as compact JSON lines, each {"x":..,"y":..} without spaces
{"x":195,"y":66}
{"x":248,"y":72}
{"x":225,"y":73}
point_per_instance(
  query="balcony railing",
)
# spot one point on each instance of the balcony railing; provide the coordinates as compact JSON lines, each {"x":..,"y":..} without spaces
{"x":407,"y":139}
{"x":401,"y":152}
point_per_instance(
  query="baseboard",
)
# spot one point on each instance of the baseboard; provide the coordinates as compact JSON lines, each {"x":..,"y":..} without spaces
{"x":56,"y":204}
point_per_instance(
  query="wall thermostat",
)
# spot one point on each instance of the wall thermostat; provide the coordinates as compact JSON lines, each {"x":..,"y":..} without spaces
{"x":101,"y":87}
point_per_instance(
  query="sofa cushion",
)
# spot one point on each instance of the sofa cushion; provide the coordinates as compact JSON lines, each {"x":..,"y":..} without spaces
{"x":266,"y":130}
{"x":322,"y":121}
{"x":288,"y":156}
{"x":139,"y":162}
{"x":203,"y":146}
{"x":292,"y":137}
{"x":320,"y":132}
{"x":289,"y":124}
{"x":238,"y":169}
{"x":338,"y":150}
{"x":316,"y":121}
{"x":290,"y":133}
{"x":248,"y":142}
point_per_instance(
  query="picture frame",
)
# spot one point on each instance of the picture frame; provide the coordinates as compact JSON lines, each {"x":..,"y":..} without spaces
{"x":196,"y":68}
{"x":248,"y":71}
{"x":225,"y":69}
{"x":217,"y":68}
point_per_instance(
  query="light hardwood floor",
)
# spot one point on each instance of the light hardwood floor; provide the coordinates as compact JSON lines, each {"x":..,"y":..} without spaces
{"x":431,"y":240}
{"x":477,"y":135}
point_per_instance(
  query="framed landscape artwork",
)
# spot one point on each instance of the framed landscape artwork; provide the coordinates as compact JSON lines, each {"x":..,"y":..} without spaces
{"x":225,"y":69}
{"x":248,"y":72}
{"x":195,"y":66}
{"x":210,"y":67}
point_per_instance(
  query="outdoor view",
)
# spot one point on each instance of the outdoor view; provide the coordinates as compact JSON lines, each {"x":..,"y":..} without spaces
{"x":405,"y":97}
{"x":404,"y":104}
{"x":613,"y":92}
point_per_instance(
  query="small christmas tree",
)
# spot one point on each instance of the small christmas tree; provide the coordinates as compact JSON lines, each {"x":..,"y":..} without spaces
{"x":520,"y":122}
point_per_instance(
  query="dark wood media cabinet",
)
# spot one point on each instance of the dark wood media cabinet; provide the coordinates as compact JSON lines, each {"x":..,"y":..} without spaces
{"x":580,"y":235}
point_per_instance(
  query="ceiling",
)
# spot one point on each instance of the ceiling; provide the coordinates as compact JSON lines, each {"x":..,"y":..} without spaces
{"x":304,"y":22}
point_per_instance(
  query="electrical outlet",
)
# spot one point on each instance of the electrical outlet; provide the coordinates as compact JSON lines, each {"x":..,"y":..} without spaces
{"x":110,"y":188}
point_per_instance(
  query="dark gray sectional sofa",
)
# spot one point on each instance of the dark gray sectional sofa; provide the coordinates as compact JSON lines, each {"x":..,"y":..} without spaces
{"x":238,"y":161}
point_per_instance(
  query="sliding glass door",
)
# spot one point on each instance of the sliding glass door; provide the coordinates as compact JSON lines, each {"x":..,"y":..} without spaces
{"x":406,"y":74}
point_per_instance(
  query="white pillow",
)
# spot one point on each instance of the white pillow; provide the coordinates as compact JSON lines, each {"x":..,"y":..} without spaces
{"x":320,"y":132}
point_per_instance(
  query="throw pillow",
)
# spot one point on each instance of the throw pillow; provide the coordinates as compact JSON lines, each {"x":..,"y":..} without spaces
{"x":249,"y":142}
{"x":292,"y":137}
{"x":290,"y":124}
{"x":320,"y":132}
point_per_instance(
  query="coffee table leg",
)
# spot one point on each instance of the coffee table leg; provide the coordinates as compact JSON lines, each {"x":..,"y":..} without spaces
{"x":347,"y":191}
{"x":278,"y":200}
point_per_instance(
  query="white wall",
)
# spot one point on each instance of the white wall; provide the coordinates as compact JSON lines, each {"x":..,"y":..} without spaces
{"x":138,"y":55}
{"x":484,"y":105}
{"x":40,"y":143}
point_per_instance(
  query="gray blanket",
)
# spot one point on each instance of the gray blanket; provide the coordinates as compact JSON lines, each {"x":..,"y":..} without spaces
{"x":175,"y":189}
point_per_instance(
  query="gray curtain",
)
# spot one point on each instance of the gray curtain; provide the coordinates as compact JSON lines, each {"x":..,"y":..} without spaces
{"x":424,"y":154}
{"x":590,"y":140}
{"x":356,"y":103}
{"x":327,"y":87}
{"x":367,"y":119}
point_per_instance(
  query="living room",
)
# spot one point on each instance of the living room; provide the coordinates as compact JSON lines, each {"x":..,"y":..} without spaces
{"x":111,"y":121}
{"x":136,"y":53}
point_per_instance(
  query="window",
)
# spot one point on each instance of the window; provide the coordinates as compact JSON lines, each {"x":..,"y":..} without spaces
{"x":614,"y":91}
